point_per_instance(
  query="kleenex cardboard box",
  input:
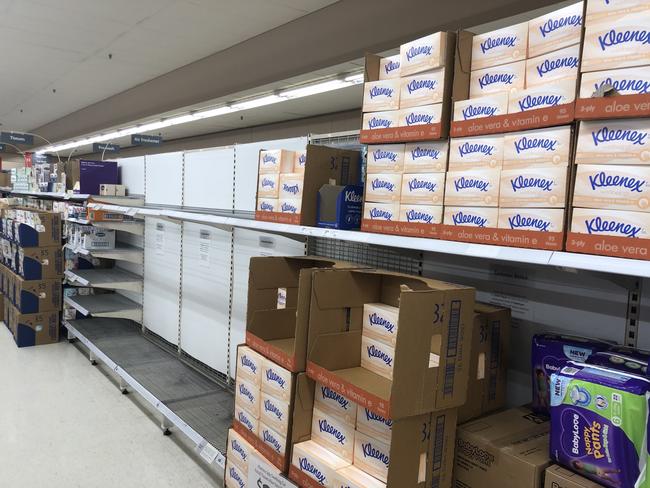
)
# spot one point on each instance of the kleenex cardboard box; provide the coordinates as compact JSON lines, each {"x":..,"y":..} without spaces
{"x":339,"y":207}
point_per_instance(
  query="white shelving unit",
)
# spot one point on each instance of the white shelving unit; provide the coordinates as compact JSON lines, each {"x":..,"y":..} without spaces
{"x":121,"y":252}
{"x":110,"y":279}
{"x":109,"y":305}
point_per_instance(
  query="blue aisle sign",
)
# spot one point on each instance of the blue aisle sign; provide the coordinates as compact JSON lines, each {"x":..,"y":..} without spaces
{"x":3,"y":148}
{"x":105,"y":147}
{"x":17,"y":138}
{"x":145,"y":140}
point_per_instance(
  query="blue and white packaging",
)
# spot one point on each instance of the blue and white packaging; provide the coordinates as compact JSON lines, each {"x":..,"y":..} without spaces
{"x":290,"y":205}
{"x":556,"y":93}
{"x":480,"y":217}
{"x":385,"y":158}
{"x":276,"y":380}
{"x":426,"y":157}
{"x":380,"y":322}
{"x":423,"y":54}
{"x":329,"y":401}
{"x":422,"y":89}
{"x":247,"y":396}
{"x":556,"y":65}
{"x":267,"y":205}
{"x":268,"y":185}
{"x":234,"y":476}
{"x":291,"y":185}
{"x":383,"y":188}
{"x":246,"y":419}
{"x":375,"y":426}
{"x":537,"y":148}
{"x":423,"y":189}
{"x":555,"y":30}
{"x":509,"y":78}
{"x":377,"y":356}
{"x":617,"y":223}
{"x":478,"y":108}
{"x":339,"y":207}
{"x":535,"y":219}
{"x":388,"y":119}
{"x":385,"y":212}
{"x":424,"y":115}
{"x":614,"y":187}
{"x":318,"y":463}
{"x":533,"y":187}
{"x":482,"y":152}
{"x":622,"y":141}
{"x":626,"y":81}
{"x":390,"y":67}
{"x":239,"y":450}
{"x":249,"y":365}
{"x":420,"y":214}
{"x":381,"y":95}
{"x":332,"y":433}
{"x":273,"y":439}
{"x":472,"y":188}
{"x":500,"y":46}
{"x":372,"y":456}
{"x":274,"y":413}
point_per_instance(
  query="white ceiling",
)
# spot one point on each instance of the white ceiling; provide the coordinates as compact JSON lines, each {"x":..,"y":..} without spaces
{"x":64,"y":45}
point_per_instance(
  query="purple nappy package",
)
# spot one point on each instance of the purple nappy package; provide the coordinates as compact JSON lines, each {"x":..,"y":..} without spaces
{"x":549,"y":353}
{"x":599,"y":424}
{"x":630,"y":361}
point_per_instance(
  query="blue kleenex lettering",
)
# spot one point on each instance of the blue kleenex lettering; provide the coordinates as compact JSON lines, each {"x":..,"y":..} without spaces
{"x":376,"y":319}
{"x":308,"y":467}
{"x":418,"y":184}
{"x":464,"y":218}
{"x":377,"y":123}
{"x":375,"y":352}
{"x":613,"y":38}
{"x":377,"y":213}
{"x":391,"y":66}
{"x":237,"y":447}
{"x":380,"y":154}
{"x":327,"y":428}
{"x":418,"y":216}
{"x":468,"y":148}
{"x":605,"y":134}
{"x":423,"y":152}
{"x":328,"y":393}
{"x":491,"y":79}
{"x":372,"y":452}
{"x":491,"y":43}
{"x":269,"y":438}
{"x":371,"y":416}
{"x":235,"y":476}
{"x":381,"y":91}
{"x":302,"y":159}
{"x":288,"y":208}
{"x":271,"y":407}
{"x":275,"y":378}
{"x":549,"y":65}
{"x":293,"y":189}
{"x":246,"y":393}
{"x":551,"y":25}
{"x":266,"y":207}
{"x":245,"y":420}
{"x":247,"y":363}
{"x":415,"y":85}
{"x":598,"y":224}
{"x":526,"y":143}
{"x":603,"y":180}
{"x":268,"y":183}
{"x":518,"y":221}
{"x":636,"y":86}
{"x":474,"y":111}
{"x":378,"y":183}
{"x":413,"y":118}
{"x":529,"y":101}
{"x":415,"y":51}
{"x":463,"y":183}
{"x":268,"y":158}
{"x":521,"y":182}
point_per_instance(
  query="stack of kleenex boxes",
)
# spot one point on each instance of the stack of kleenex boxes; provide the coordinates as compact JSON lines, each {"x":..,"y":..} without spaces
{"x":526,"y":66}
{"x":280,"y":181}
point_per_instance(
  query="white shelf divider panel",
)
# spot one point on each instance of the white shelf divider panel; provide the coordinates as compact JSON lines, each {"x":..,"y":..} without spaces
{"x":206,"y":294}
{"x":162,"y":271}
{"x":209,"y":178}
{"x":164,"y":179}
{"x":110,"y":279}
{"x":136,"y":228}
{"x":132,"y":174}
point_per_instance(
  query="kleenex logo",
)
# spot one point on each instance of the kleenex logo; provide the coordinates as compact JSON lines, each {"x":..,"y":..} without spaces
{"x":266,"y":207}
{"x":288,"y":208}
{"x":377,"y":213}
{"x":246,"y":421}
{"x":274,"y":377}
{"x":376,"y":319}
{"x":526,"y":143}
{"x":245,"y":392}
{"x":423,"y":152}
{"x":352,"y":196}
{"x":237,"y":447}
{"x":491,"y":79}
{"x":521,"y":182}
{"x":636,"y":86}
{"x":268,"y":183}
{"x":391,"y":66}
{"x":415,"y":51}
{"x":372,"y":452}
{"x":418,"y":184}
{"x":551,"y":25}
{"x":502,"y":41}
{"x":373,"y":417}
{"x":308,"y":467}
{"x":518,"y":221}
{"x":293,"y":189}
{"x":269,"y":159}
{"x":597,"y":224}
{"x":414,"y":118}
{"x":374,"y":352}
{"x":463,"y":183}
{"x":302,"y":159}
{"x":548,"y":65}
{"x":378,"y":183}
{"x":380,"y":154}
{"x":415,"y":85}
{"x":529,"y":101}
{"x":377,"y":123}
{"x":327,"y":428}
{"x":418,"y":216}
{"x":605,"y":134}
{"x":269,"y":438}
{"x":613,"y":38}
{"x":603,"y":180}
{"x":464,"y":218}
{"x":475,"y":111}
{"x":235,"y":476}
{"x":328,"y":393}
{"x":381,"y":91}
{"x":246,"y":362}
{"x":468,"y":148}
{"x":271,"y":407}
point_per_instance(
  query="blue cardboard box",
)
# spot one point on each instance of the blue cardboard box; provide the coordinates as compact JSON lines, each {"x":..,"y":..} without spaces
{"x":339,"y":206}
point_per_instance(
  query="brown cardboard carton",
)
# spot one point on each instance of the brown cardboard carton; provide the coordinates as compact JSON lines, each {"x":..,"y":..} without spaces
{"x":40,"y":263}
{"x":279,"y":332}
{"x":32,"y":228}
{"x":558,"y":477}
{"x":508,"y":449}
{"x":35,"y":296}
{"x":33,"y":329}
{"x":434,"y":317}
{"x":486,"y":389}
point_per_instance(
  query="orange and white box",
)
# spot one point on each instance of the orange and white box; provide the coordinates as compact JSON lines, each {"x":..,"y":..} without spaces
{"x":299,"y":162}
{"x":483,"y":152}
{"x":422,"y":89}
{"x":381,"y":95}
{"x":420,"y":214}
{"x":426,"y":114}
{"x":390,"y":67}
{"x":618,"y":223}
{"x":559,"y":92}
{"x":381,"y":120}
{"x":477,"y":108}
{"x":509,"y":78}
{"x":624,"y":141}
{"x":317,"y":462}
{"x":374,"y":425}
{"x":423,"y":54}
{"x":426,"y":157}
{"x":291,"y":185}
{"x":267,"y":204}
{"x":613,"y":187}
{"x":371,"y":456}
{"x":380,"y":322}
{"x":276,"y":161}
{"x":617,"y":41}
{"x":483,"y":217}
{"x":423,"y":189}
{"x":555,"y":30}
{"x":239,"y":450}
{"x":234,"y":476}
{"x":501,"y":46}
{"x":541,"y":147}
{"x":383,"y":187}
{"x":472,"y":188}
{"x":598,"y":10}
{"x":246,"y":419}
{"x":273,"y":439}
{"x":385,"y":158}
{"x":335,"y":435}
{"x":553,"y":66}
{"x":535,"y":219}
{"x":533,"y":187}
{"x":290,"y":205}
{"x":247,"y":396}
{"x":249,"y":365}
{"x":377,"y":356}
{"x":268,"y":185}
{"x":353,"y":477}
{"x":276,"y":380}
{"x":274,"y":413}
{"x":626,"y":81}
{"x":329,"y":401}
{"x":386,"y":212}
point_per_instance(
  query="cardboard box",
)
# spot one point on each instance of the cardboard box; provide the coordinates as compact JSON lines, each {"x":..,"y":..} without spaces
{"x":291,"y":186}
{"x":500,"y":46}
{"x":612,"y":187}
{"x":290,"y":205}
{"x":553,"y":66}
{"x":353,"y":477}
{"x":85,"y":176}
{"x":422,"y":89}
{"x":375,"y":426}
{"x":335,"y":336}
{"x":533,"y":187}
{"x":619,"y":223}
{"x":274,"y":412}
{"x":247,"y":396}
{"x":423,"y":54}
{"x":477,"y":108}
{"x":486,"y":390}
{"x":333,"y":433}
{"x":618,"y":40}
{"x":276,"y":161}
{"x":35,"y":296}
{"x":380,"y":322}
{"x":244,"y":418}
{"x":268,"y":205}
{"x":250,"y":365}
{"x":328,"y":401}
{"x":422,"y":115}
{"x":299,"y":161}
{"x":380,"y":120}
{"x":381,"y":95}
{"x":599,"y":10}
{"x":239,"y":451}
{"x":317,"y":463}
{"x":96,"y":238}
{"x":276,"y":442}
{"x":551,"y":94}
{"x":234,"y":477}
{"x":390,"y":67}
{"x":483,"y":217}
{"x":423,"y":189}
{"x":32,"y":329}
{"x":509,"y":78}
{"x":383,"y":188}
{"x":507,"y":449}
{"x":280,"y":334}
{"x":40,"y":263}
{"x":558,"y":477}
{"x":537,"y":219}
{"x":268,"y":185}
{"x":426,"y":157}
{"x":387,"y":212}
{"x":112,"y":190}
{"x":421,"y":214}
{"x":385,"y":158}
{"x":32,"y":228}
{"x":472,"y":188}
{"x":610,"y":142}
{"x":469,"y":153}
{"x":537,"y":148}
{"x":555,"y":30}
{"x":377,"y":356}
{"x":625,"y":81}
{"x":340,"y":206}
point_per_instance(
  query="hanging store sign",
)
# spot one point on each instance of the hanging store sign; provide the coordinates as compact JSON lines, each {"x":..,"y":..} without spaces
{"x":144,"y":140}
{"x":105,"y":147}
{"x":17,"y":138}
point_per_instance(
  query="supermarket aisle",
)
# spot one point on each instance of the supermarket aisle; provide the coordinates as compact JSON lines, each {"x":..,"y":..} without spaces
{"x":63,"y":424}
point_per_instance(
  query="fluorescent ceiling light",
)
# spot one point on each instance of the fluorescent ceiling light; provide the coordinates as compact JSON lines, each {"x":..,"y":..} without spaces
{"x":356,"y":78}
{"x":309,"y":90}
{"x":257,"y":102}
